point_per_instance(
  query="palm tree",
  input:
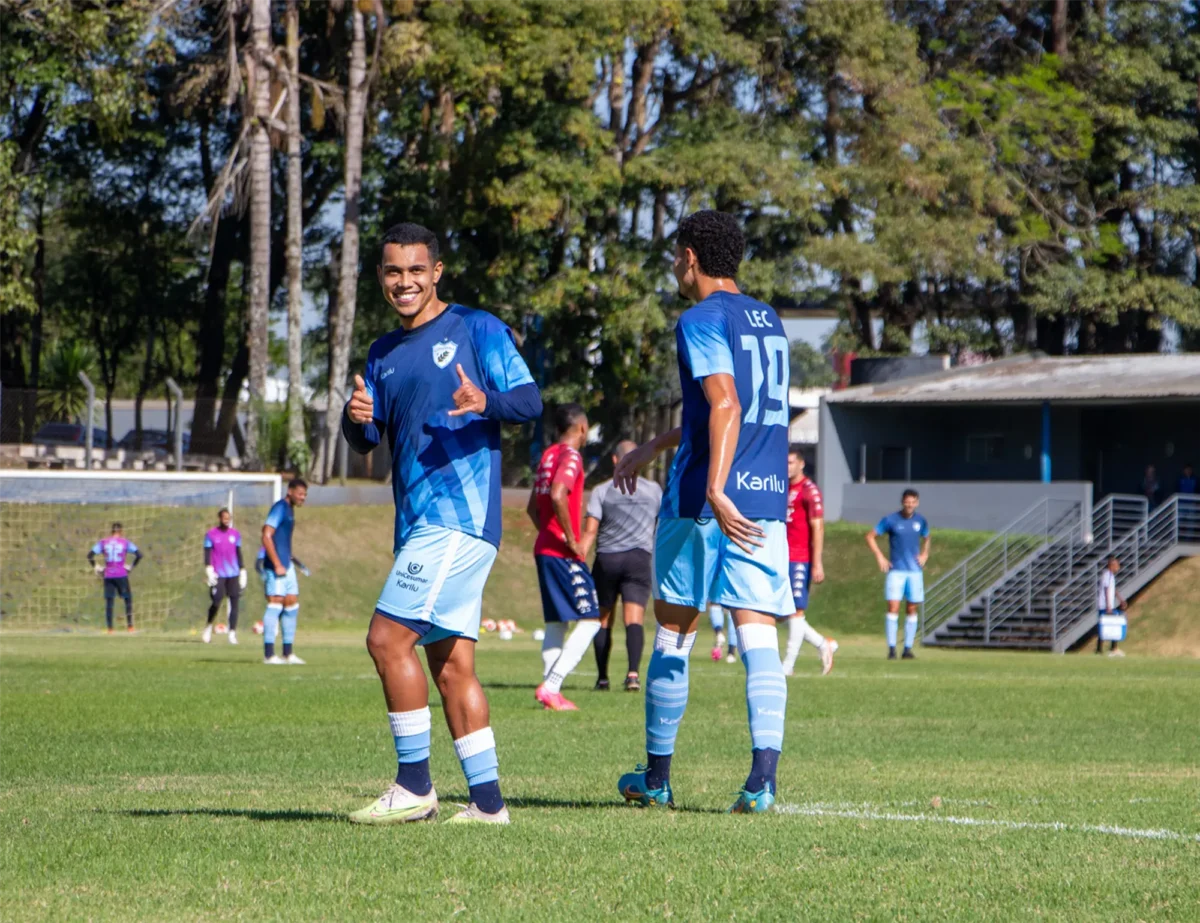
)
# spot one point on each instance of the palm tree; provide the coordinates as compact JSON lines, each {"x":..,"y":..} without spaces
{"x":260,"y":218}
{"x":297,"y":445}
{"x":64,"y":398}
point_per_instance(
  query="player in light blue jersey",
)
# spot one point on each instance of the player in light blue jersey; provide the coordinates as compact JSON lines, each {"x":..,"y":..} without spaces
{"x":279,"y":575}
{"x":908,"y":550}
{"x":721,"y":535}
{"x":439,"y":387}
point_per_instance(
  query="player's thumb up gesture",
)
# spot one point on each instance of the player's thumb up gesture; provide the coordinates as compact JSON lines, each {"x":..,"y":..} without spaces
{"x":361,"y":407}
{"x":468,"y":398}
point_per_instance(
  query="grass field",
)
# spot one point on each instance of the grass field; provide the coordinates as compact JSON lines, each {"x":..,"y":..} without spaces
{"x":155,"y":778}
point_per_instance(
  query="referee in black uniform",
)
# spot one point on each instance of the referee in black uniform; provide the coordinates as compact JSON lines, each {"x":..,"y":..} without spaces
{"x":623,"y":527}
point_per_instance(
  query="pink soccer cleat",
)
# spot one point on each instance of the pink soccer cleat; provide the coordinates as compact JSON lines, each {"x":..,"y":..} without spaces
{"x":553,"y":701}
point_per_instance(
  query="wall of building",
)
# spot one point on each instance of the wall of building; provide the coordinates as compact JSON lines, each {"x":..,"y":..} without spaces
{"x":977,"y":505}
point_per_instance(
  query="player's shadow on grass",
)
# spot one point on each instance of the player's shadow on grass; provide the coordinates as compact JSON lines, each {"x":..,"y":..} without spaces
{"x":516,"y":803}
{"x":245,"y":814}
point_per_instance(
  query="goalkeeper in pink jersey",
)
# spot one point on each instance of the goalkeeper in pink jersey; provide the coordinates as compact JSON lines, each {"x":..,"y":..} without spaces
{"x":115,"y":569}
{"x":224,"y":571}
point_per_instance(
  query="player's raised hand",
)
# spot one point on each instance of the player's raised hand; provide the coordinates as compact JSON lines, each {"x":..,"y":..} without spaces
{"x":362,"y":407}
{"x":743,"y":532}
{"x":625,"y":475}
{"x":468,"y":398}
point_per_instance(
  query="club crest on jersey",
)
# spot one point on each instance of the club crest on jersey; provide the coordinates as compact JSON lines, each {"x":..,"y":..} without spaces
{"x":443,"y":353}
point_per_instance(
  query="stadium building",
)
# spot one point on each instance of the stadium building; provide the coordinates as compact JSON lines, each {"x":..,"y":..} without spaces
{"x":1052,"y":455}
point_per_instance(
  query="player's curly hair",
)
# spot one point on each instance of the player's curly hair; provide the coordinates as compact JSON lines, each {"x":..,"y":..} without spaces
{"x":407,"y":233}
{"x":566,"y":416}
{"x":717,"y":240}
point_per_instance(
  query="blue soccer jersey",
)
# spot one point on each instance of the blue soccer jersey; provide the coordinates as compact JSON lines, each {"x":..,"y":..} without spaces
{"x":445,"y":470}
{"x":904,"y":539}
{"x":282,"y":518}
{"x":738,"y":336}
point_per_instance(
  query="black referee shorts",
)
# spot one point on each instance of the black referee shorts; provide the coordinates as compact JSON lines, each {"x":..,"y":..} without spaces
{"x":627,"y":574}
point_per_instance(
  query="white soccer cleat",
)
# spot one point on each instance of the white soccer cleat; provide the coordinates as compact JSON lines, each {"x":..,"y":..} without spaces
{"x":789,"y":668}
{"x":731,"y":658}
{"x":827,"y":650}
{"x":274,"y":661}
{"x":397,"y":806}
{"x":206,"y":635}
{"x":472,"y":815}
{"x":1117,"y":653}
{"x":294,"y":660}
{"x":232,"y":637}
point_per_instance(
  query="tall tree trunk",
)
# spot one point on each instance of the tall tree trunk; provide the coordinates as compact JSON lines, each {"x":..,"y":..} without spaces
{"x":260,"y":222}
{"x":342,"y":332}
{"x":295,"y":233}
{"x":39,"y":297}
{"x":211,"y":340}
{"x":1058,"y":28}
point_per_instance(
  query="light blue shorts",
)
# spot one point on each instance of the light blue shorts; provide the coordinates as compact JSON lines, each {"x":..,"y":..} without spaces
{"x":438,"y":578}
{"x":287,"y":585}
{"x":904,"y":584}
{"x":695,"y":564}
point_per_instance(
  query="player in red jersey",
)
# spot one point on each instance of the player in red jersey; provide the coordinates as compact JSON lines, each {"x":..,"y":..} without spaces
{"x":568,"y":592}
{"x":806,"y":543}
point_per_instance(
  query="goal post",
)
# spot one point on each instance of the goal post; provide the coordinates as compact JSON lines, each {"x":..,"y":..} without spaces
{"x":49,"y":520}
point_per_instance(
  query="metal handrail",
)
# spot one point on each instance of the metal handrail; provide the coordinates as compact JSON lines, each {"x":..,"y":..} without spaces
{"x":1042,"y":524}
{"x":1175,"y":520}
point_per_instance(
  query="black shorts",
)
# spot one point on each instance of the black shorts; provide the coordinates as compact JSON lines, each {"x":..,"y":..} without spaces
{"x":226,"y":586}
{"x":627,"y":574}
{"x":116,"y":586}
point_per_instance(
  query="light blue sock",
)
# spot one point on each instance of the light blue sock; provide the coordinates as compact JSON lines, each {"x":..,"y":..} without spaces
{"x":287,"y":622}
{"x":766,"y":688}
{"x":716,"y":618}
{"x":271,"y":622}
{"x":666,"y":689}
{"x":477,"y":754}
{"x":893,"y":624}
{"x":910,"y":631}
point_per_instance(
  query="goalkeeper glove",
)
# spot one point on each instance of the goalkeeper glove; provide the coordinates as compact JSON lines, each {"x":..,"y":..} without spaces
{"x":242,"y":579}
{"x":300,"y":567}
{"x":210,"y":574}
{"x":98,"y":568}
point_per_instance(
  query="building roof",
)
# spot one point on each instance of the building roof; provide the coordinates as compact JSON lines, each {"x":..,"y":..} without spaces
{"x":1042,"y":378}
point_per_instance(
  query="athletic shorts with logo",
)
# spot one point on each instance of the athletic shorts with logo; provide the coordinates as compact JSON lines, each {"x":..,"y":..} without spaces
{"x":287,"y":585}
{"x":627,"y":574}
{"x":226,"y":586}
{"x":436,"y":584}
{"x":568,"y":591}
{"x":904,"y":584}
{"x":798,"y":573}
{"x":695,"y":563}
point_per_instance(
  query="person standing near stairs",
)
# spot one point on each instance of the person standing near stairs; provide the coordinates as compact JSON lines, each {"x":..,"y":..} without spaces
{"x":908,"y":550}
{"x":1112,"y":605}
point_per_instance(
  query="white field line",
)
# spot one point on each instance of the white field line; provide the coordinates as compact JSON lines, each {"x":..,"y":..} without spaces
{"x":818,"y":810}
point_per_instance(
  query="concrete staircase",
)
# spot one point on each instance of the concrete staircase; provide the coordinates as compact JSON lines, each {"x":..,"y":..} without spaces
{"x":1034,"y":584}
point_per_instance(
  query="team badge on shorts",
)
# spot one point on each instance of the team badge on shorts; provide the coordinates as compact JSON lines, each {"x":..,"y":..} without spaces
{"x":443,"y":353}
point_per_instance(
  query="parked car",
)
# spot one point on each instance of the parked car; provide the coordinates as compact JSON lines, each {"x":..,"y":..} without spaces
{"x":160,"y":440}
{"x":69,"y":434}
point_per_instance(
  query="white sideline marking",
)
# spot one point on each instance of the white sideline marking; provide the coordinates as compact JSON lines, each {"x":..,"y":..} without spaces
{"x":817,"y":810}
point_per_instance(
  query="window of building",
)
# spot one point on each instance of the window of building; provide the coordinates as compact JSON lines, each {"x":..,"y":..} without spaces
{"x":984,"y":448}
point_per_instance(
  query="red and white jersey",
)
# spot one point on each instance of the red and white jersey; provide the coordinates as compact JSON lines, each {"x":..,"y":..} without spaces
{"x":560,"y":464}
{"x":804,"y":503}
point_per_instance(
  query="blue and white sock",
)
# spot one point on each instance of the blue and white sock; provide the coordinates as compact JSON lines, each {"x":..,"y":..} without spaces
{"x":410,"y":730}
{"x":270,"y":625}
{"x":766,"y":701}
{"x":716,"y":618}
{"x":287,"y":624}
{"x":666,"y":700}
{"x":893,"y":624}
{"x":477,"y":753}
{"x":910,"y":631}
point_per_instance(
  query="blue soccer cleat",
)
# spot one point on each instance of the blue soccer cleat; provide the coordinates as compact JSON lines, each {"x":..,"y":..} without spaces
{"x":632,"y":786}
{"x":754,"y":802}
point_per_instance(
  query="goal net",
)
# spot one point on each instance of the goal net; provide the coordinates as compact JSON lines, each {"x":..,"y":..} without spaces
{"x":49,"y":521}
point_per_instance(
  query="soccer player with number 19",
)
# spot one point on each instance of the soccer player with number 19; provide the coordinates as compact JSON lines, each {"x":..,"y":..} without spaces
{"x":721,"y":533}
{"x":439,"y":387}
